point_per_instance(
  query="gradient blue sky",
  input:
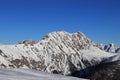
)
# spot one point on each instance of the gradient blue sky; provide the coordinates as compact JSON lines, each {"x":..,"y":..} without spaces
{"x":33,"y":19}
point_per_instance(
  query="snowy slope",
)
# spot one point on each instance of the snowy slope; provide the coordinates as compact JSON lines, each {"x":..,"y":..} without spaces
{"x":24,"y":74}
{"x":58,"y":52}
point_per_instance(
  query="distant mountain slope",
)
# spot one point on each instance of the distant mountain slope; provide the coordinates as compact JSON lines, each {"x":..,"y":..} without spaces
{"x":59,"y":52}
{"x":112,"y":48}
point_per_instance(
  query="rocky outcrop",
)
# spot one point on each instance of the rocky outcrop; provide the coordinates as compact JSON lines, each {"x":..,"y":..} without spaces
{"x":26,"y":42}
{"x":117,"y":50}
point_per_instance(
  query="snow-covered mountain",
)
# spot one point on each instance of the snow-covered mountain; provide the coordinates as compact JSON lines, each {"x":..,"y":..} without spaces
{"x":112,"y":48}
{"x":58,"y":52}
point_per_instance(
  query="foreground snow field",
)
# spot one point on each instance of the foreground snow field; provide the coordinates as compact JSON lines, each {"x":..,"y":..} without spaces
{"x":27,"y":74}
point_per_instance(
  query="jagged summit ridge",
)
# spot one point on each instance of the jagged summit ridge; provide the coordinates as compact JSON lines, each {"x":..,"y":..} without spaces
{"x":76,"y":39}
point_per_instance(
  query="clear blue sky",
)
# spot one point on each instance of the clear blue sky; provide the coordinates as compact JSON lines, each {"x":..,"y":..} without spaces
{"x":33,"y":19}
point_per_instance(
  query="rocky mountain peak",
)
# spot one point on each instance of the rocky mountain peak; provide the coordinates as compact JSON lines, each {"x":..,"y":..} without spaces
{"x":77,"y":39}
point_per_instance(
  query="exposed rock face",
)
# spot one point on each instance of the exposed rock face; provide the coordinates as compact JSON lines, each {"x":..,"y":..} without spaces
{"x":59,"y":52}
{"x":31,"y":42}
{"x":117,"y":50}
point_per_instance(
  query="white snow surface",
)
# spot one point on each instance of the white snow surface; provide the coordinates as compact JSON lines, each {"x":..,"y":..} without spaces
{"x":27,"y":74}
